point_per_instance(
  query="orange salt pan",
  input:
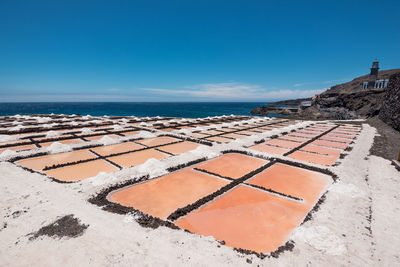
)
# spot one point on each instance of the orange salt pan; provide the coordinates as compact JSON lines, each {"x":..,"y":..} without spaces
{"x":39,"y":163}
{"x":247,"y":218}
{"x":197,"y":135}
{"x":298,"y":134}
{"x":68,"y":141}
{"x":117,"y":148}
{"x":341,"y":135}
{"x":234,"y":135}
{"x":162,"y":196}
{"x":314,"y":158}
{"x":310,"y":133}
{"x":246,"y":132}
{"x":130,"y":133}
{"x":226,"y":130}
{"x":179,"y":148}
{"x":232,"y":165}
{"x":219,"y":139}
{"x":270,"y":149}
{"x":336,"y":139}
{"x":347,"y":128}
{"x":266,"y":129}
{"x":293,"y":181}
{"x":157,"y":141}
{"x":81,"y":171}
{"x":14,"y":142}
{"x":316,"y":129}
{"x":239,"y":127}
{"x":98,"y":137}
{"x":282,"y":143}
{"x":91,"y":133}
{"x":18,"y":148}
{"x":254,"y":131}
{"x":136,"y":158}
{"x":212,"y":132}
{"x":45,"y":138}
{"x":326,"y":143}
{"x":294,"y":138}
{"x":321,"y":150}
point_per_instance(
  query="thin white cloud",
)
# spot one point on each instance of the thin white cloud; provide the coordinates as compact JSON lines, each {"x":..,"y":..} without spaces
{"x":228,"y":91}
{"x":234,"y":91}
{"x":301,"y":84}
{"x":112,"y":90}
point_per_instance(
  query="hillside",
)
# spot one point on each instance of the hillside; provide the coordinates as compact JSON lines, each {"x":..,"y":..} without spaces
{"x":351,"y":100}
{"x":291,"y":102}
{"x":343,"y":101}
{"x":356,"y":84}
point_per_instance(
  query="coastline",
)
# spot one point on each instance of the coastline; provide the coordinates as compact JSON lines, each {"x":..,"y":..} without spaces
{"x":141,"y":109}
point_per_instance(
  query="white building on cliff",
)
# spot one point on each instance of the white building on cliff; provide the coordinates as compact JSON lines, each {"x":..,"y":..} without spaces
{"x":373,"y":80}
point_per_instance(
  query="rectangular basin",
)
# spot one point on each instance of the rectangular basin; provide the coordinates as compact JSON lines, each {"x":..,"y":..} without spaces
{"x":68,"y":142}
{"x":81,"y":171}
{"x":39,"y":163}
{"x":98,"y":137}
{"x":179,"y":148}
{"x":283,"y":143}
{"x":232,"y":165}
{"x":137,"y":158}
{"x":321,"y":150}
{"x":247,"y":218}
{"x":219,"y":139}
{"x":270,"y":149}
{"x":332,"y":144}
{"x":157,"y":141}
{"x":117,"y":148}
{"x":327,"y":160}
{"x":18,"y":148}
{"x":293,"y":181}
{"x":162,"y":196}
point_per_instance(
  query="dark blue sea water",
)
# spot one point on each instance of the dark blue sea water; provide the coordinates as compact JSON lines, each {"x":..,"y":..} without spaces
{"x":187,"y":110}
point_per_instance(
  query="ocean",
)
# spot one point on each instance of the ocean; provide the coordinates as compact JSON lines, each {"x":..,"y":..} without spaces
{"x":140,"y":109}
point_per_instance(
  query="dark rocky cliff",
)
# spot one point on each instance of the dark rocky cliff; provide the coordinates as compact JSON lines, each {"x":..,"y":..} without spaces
{"x":390,"y":111}
{"x":365,"y":103}
{"x":350,"y":101}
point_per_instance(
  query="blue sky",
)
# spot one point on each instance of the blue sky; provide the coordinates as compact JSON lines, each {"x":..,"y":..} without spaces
{"x":190,"y":50}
